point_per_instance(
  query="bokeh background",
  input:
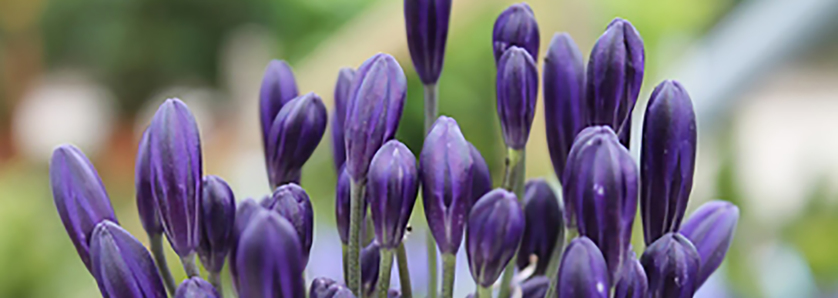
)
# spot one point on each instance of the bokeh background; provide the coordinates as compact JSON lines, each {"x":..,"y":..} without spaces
{"x":763,"y":75}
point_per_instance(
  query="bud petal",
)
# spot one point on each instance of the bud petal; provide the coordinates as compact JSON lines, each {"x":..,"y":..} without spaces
{"x":671,"y":264}
{"x":268,"y":259}
{"x":342,"y":90}
{"x":278,"y":88}
{"x":292,"y":202}
{"x":517,"y":91}
{"x":342,"y":199}
{"x":218,"y":211}
{"x":121,"y":265}
{"x":294,"y":135}
{"x":245,"y":210}
{"x":392,"y":187}
{"x":323,"y":287}
{"x":582,"y":272}
{"x":544,"y":224}
{"x":710,"y":229}
{"x":515,"y":26}
{"x":370,"y":259}
{"x":145,"y":195}
{"x":495,"y":227}
{"x":195,"y":287}
{"x":632,"y":282}
{"x":427,"y":30}
{"x":482,"y":182}
{"x":535,"y":287}
{"x":564,"y":88}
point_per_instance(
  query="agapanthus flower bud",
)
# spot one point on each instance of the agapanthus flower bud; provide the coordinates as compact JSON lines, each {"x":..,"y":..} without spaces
{"x":79,"y":196}
{"x":615,"y":73}
{"x":268,"y":258}
{"x":342,"y":200}
{"x":145,"y":195}
{"x":278,"y":88}
{"x":672,"y":265}
{"x":218,"y":211}
{"x":375,"y":107}
{"x":176,"y":167}
{"x":515,"y":26}
{"x":392,"y":187}
{"x":195,"y":287}
{"x":446,"y":171}
{"x":582,"y":272}
{"x":544,"y":224}
{"x":427,"y":30}
{"x":564,"y":90}
{"x":370,"y":264}
{"x":294,"y":135}
{"x":632,"y":282}
{"x":292,"y":202}
{"x":482,"y":178}
{"x":600,"y":192}
{"x":495,"y":228}
{"x":122,"y":267}
{"x":393,"y":293}
{"x":323,"y":287}
{"x":245,"y":210}
{"x":710,"y":229}
{"x":667,"y":160}
{"x":535,"y":287}
{"x":342,"y":90}
{"x":517,"y":91}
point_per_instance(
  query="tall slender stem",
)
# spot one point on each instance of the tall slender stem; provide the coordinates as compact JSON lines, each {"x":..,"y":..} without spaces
{"x":484,"y":292}
{"x":159,"y":255}
{"x":513,"y":181}
{"x":345,"y":254}
{"x":190,"y":266}
{"x":431,"y":111}
{"x":449,"y":268}
{"x":553,"y":265}
{"x":215,"y":280}
{"x":404,"y":273}
{"x":385,"y":269}
{"x":356,"y":191}
{"x":432,"y":269}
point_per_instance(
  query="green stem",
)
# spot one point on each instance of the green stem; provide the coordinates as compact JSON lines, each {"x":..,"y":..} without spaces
{"x":156,"y":242}
{"x":449,"y":268}
{"x":431,"y":100}
{"x":404,"y":273}
{"x":190,"y":266}
{"x":513,"y":181}
{"x":345,"y":254}
{"x":484,"y":292}
{"x":355,"y":219}
{"x":553,"y":265}
{"x":215,"y":280}
{"x":385,"y":269}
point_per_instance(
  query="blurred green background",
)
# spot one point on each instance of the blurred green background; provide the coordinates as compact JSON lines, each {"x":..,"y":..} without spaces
{"x":763,"y":76}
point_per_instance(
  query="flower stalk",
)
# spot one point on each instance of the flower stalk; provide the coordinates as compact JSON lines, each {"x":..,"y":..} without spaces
{"x":404,"y":273}
{"x":384,"y":272}
{"x":431,"y":111}
{"x":190,"y":266}
{"x":449,"y":268}
{"x":156,"y":241}
{"x":513,"y":180}
{"x":356,"y":193}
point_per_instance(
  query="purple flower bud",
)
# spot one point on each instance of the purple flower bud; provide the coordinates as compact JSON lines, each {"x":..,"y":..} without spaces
{"x":294,"y":135}
{"x":632,"y":282}
{"x":342,"y":198}
{"x":515,"y":26}
{"x":268,"y":258}
{"x":291,"y":202}
{"x":671,"y":264}
{"x":323,"y":287}
{"x":545,"y":224}
{"x":175,"y":154}
{"x":535,"y":287}
{"x":446,"y":170}
{"x":427,"y":30}
{"x":392,"y":188}
{"x":564,"y":88}
{"x":517,"y":91}
{"x":615,"y":73}
{"x":375,"y":106}
{"x":145,"y":195}
{"x":278,"y":88}
{"x":342,"y":88}
{"x":668,"y":160}
{"x":121,"y":265}
{"x":495,"y":227}
{"x":582,"y":272}
{"x":245,"y":210}
{"x":195,"y":287}
{"x":393,"y":293}
{"x":482,"y":178}
{"x":600,"y":192}
{"x":79,"y":196}
{"x":218,"y":211}
{"x":710,"y":229}
{"x":370,"y":259}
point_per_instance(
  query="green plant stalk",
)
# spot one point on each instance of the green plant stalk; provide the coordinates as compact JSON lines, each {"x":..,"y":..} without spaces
{"x":190,"y":266}
{"x":484,"y":292}
{"x":431,"y":100}
{"x":344,"y":254}
{"x":513,"y":180}
{"x":215,"y":280}
{"x":404,"y":273}
{"x":159,"y":255}
{"x":553,"y":265}
{"x":449,"y":270}
{"x":385,"y":269}
{"x":356,"y":192}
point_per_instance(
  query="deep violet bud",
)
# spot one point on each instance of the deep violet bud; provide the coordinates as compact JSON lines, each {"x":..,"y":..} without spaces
{"x":667,"y":160}
{"x":323,"y":287}
{"x":544,"y":224}
{"x":535,"y":287}
{"x":245,"y":210}
{"x":342,"y":88}
{"x":482,"y":178}
{"x":195,"y":287}
{"x":122,"y":266}
{"x":218,"y":211}
{"x":79,"y":196}
{"x":145,"y":195}
{"x":632,"y":282}
{"x":268,"y":258}
{"x":292,"y":202}
{"x":517,"y":91}
{"x":426,"y":22}
{"x":446,"y":172}
{"x":294,"y":135}
{"x":175,"y":154}
{"x":582,"y":272}
{"x":614,"y":76}
{"x":370,"y":258}
{"x":600,"y":192}
{"x":342,"y":200}
{"x":564,"y":88}
{"x":671,"y":264}
{"x":392,"y":185}
{"x":710,"y":229}
{"x":278,"y":88}
{"x":375,"y":107}
{"x":495,"y":228}
{"x":393,"y":293}
{"x":515,"y":26}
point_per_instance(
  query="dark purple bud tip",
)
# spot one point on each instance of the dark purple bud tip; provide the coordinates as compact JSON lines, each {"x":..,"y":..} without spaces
{"x":515,"y":26}
{"x":582,"y":272}
{"x":278,"y":88}
{"x":342,"y":200}
{"x":294,"y":134}
{"x":564,"y":90}
{"x":145,"y":194}
{"x":632,"y":282}
{"x":393,"y":293}
{"x":446,"y":171}
{"x":495,"y":227}
{"x":375,"y":107}
{"x":218,"y":211}
{"x":370,"y":258}
{"x":667,"y":158}
{"x":600,"y":192}
{"x":176,"y":172}
{"x":672,"y":265}
{"x":244,"y":213}
{"x":196,"y":287}
{"x":393,"y":183}
{"x":342,"y":90}
{"x":517,"y":91}
{"x":269,"y":261}
{"x":482,"y":177}
{"x":79,"y":196}
{"x":544,"y":224}
{"x":535,"y":287}
{"x":121,"y":264}
{"x":426,"y":22}
{"x":323,"y":287}
{"x":711,"y":229}
{"x":292,"y":202}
